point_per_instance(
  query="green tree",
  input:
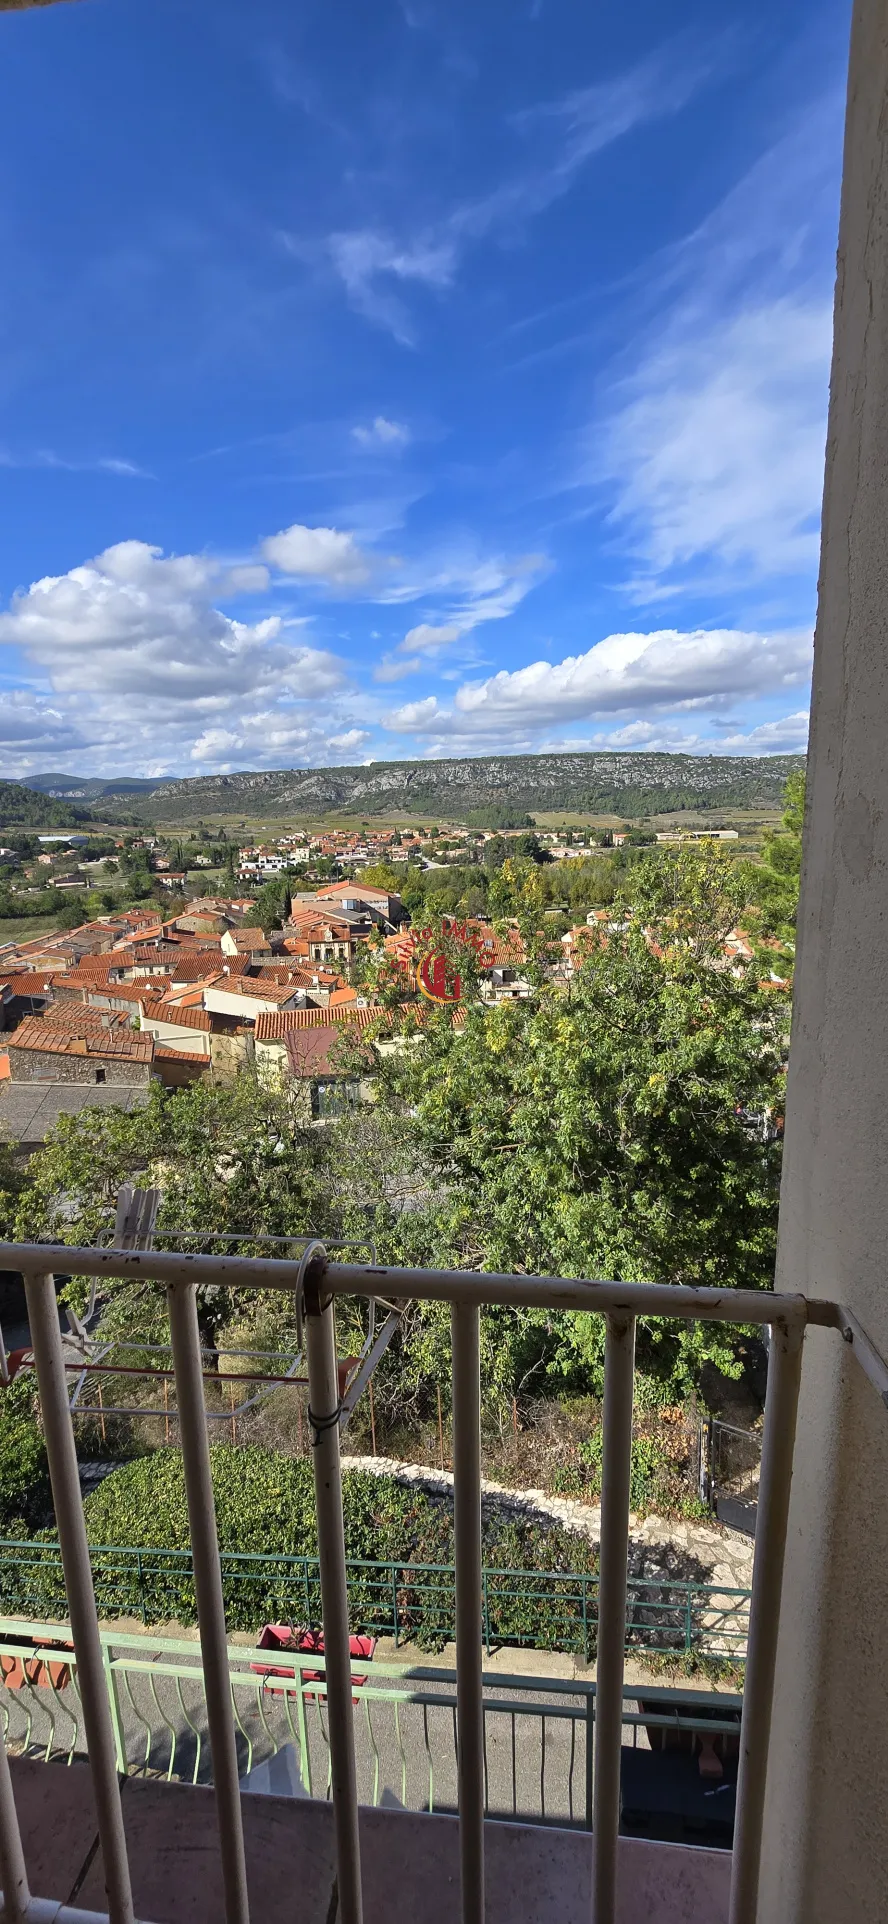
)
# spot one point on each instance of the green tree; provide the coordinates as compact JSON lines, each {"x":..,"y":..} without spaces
{"x":272,"y":904}
{"x":621,"y":1132}
{"x":777,"y":879}
{"x":235,"y":1160}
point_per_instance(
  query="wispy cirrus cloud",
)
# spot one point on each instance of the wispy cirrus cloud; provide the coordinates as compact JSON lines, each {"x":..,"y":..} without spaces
{"x":708,"y":444}
{"x":376,"y":266}
{"x":48,"y":458}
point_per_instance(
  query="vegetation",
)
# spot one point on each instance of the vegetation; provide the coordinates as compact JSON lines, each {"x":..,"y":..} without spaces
{"x":626,"y":785}
{"x":25,"y":1496}
{"x":27,"y":808}
{"x":262,"y":1498}
{"x":777,"y":881}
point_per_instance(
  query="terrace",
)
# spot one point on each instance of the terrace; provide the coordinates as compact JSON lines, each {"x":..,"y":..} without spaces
{"x":505,"y":1853}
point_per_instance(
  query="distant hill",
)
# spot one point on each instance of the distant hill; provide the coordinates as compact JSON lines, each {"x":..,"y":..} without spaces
{"x":22,"y":807}
{"x":625,"y":785}
{"x":90,"y":788}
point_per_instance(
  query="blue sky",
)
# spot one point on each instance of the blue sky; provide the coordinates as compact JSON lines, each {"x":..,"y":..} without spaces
{"x":414,"y":379}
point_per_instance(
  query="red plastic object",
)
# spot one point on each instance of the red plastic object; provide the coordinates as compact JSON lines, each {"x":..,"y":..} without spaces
{"x":281,"y":1636}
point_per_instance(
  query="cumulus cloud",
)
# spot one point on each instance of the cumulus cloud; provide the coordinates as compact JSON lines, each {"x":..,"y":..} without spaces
{"x":326,"y":555}
{"x":418,"y":715}
{"x":382,"y":433}
{"x":134,"y":650}
{"x":352,"y":738}
{"x":134,"y":622}
{"x":666,"y":669}
{"x":33,"y":729}
{"x":788,"y":736}
{"x":663,"y":671}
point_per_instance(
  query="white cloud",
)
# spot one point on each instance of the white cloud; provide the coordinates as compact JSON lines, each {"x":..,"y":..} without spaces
{"x":717,"y":447}
{"x":382,"y":433}
{"x":414,"y":715}
{"x":427,"y":639}
{"x":365,"y":258}
{"x":788,"y":736}
{"x":317,"y":554}
{"x":665,"y":669}
{"x":566,"y":133}
{"x":710,"y":449}
{"x":48,"y":458}
{"x":34,"y":730}
{"x":135,"y":653}
{"x":352,"y":738}
{"x":396,"y":667}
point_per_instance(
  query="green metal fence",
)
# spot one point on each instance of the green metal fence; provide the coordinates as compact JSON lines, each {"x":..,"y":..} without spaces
{"x":539,"y":1732}
{"x":554,"y":1610}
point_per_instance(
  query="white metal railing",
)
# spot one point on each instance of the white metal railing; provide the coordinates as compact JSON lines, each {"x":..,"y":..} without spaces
{"x":316,"y":1281}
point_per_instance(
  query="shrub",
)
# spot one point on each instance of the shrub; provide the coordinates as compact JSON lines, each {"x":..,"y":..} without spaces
{"x":25,"y":1494}
{"x":263,"y":1499}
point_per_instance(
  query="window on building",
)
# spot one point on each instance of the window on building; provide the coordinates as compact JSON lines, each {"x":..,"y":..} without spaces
{"x":101,"y":1075}
{"x":333,"y":1098}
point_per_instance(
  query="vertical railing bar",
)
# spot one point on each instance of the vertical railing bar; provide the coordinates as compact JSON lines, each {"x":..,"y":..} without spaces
{"x":590,"y":1754}
{"x":46,"y":1342}
{"x":619,"y":1372}
{"x":775,"y":1480}
{"x":188,"y":1366}
{"x":465,"y":1338}
{"x":323,"y":1389}
{"x":13,"y":1876}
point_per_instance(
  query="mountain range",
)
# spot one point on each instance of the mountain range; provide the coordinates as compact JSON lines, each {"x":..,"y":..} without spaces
{"x":629,"y":785}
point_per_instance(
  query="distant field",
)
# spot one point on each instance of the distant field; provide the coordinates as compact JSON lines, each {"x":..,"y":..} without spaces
{"x":20,"y":928}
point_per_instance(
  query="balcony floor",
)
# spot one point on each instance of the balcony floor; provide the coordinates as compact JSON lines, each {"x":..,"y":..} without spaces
{"x":410,"y":1863}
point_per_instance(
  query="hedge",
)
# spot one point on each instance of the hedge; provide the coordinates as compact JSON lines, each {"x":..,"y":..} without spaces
{"x":263,"y":1499}
{"x":25,"y":1494}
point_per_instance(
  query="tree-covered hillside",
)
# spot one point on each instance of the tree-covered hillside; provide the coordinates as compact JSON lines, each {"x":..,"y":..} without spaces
{"x":22,"y":807}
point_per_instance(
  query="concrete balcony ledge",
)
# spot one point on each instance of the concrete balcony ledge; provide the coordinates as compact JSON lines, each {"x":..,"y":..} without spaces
{"x":410,"y":1863}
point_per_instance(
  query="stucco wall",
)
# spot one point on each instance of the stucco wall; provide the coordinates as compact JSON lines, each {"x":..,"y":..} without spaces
{"x":826,"y":1843}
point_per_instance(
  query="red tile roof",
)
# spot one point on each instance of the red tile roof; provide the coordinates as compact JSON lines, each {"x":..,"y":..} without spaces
{"x":174,"y":1013}
{"x":274,"y":1025}
{"x":164,"y":1054}
{"x":249,"y":938}
{"x":36,"y":1034}
{"x":153,"y":985}
{"x":32,"y":982}
{"x":77,"y":1018}
{"x":254,"y":991}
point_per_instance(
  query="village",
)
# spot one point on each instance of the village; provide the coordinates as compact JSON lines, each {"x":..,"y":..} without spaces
{"x":200,"y":988}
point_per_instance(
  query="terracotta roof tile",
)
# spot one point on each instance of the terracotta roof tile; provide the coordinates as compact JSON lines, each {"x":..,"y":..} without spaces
{"x":181,"y":1018}
{"x":273,"y":1026}
{"x":34,"y":1033}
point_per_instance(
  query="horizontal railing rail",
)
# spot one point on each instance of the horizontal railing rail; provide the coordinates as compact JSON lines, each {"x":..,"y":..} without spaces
{"x":407,"y":1601}
{"x":315,"y":1282}
{"x":538,"y":1732}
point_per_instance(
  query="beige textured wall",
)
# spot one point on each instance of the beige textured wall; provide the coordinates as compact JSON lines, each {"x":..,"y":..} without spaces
{"x":826,"y":1845}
